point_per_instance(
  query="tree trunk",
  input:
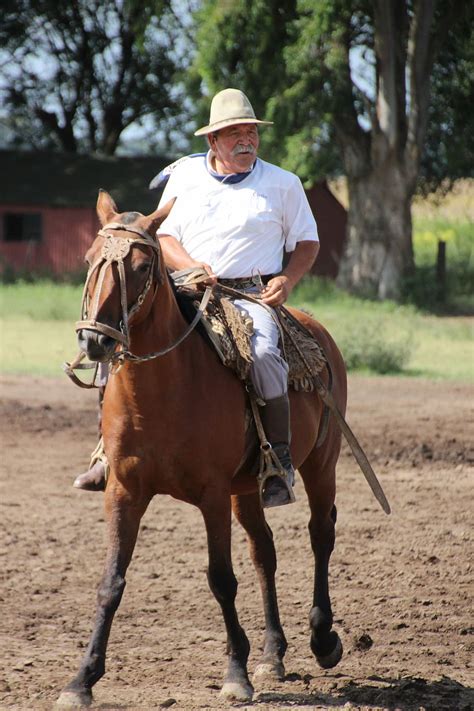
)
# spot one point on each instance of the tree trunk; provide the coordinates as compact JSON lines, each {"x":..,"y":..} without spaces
{"x":379,"y":250}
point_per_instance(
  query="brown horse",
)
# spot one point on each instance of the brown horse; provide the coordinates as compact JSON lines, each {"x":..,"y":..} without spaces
{"x":176,"y":425}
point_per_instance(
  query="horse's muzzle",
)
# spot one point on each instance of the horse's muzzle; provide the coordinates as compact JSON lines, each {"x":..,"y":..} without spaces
{"x":97,"y":346}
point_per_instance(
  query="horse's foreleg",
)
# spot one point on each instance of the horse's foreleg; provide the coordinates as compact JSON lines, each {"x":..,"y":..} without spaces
{"x":123,"y":523}
{"x":249,"y":513}
{"x":223,"y":584}
{"x":325,"y":642}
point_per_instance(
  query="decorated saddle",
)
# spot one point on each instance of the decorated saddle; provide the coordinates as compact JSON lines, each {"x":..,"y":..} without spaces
{"x":230,"y":330}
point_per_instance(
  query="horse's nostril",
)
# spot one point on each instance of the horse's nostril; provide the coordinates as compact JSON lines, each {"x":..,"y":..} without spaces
{"x":97,"y":346}
{"x":106,"y":342}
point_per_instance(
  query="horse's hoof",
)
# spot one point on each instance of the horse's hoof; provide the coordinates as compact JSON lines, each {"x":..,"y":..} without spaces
{"x":328,"y":661}
{"x":237,"y":691}
{"x":74,"y":699}
{"x":267,"y":671}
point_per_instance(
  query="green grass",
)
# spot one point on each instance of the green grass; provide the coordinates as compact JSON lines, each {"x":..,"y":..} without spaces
{"x":45,"y":300}
{"x":445,"y":349}
{"x":458,"y":236}
{"x":37,"y":331}
{"x":428,"y":346}
{"x":35,"y":346}
{"x":37,"y":326}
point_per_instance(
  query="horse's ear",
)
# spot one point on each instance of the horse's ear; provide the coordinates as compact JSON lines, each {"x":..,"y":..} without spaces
{"x":106,"y":208}
{"x":154,"y":220}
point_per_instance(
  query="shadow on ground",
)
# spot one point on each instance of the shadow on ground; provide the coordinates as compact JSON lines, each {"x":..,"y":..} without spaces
{"x":406,"y":694}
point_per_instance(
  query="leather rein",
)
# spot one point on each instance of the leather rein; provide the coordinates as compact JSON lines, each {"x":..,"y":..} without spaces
{"x":114,"y":250}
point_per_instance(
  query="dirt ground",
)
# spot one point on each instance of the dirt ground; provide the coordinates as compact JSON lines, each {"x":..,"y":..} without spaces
{"x":401,"y":585}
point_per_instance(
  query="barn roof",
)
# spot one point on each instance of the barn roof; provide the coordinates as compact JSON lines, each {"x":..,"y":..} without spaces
{"x":70,"y":180}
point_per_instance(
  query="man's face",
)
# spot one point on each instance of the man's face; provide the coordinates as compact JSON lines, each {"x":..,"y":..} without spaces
{"x":235,"y":147}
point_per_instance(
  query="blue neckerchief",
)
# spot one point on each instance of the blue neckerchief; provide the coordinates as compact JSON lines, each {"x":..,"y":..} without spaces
{"x":230,"y":178}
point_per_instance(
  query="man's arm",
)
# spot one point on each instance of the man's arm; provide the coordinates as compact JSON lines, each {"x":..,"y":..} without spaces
{"x":280,"y":287}
{"x":176,"y":257}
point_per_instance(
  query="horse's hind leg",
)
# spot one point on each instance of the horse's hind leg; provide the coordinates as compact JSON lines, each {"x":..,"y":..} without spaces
{"x":123,"y":521}
{"x":319,"y":478}
{"x":249,"y":513}
{"x":217,"y":517}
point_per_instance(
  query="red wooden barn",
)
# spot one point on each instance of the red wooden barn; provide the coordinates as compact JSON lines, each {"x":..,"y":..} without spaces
{"x":331,"y":217}
{"x":47,"y":208}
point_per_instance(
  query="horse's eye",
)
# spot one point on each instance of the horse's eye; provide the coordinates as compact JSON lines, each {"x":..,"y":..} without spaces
{"x":144,"y":267}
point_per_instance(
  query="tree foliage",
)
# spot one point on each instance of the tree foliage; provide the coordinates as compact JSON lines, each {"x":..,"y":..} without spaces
{"x":77,"y":74}
{"x":449,"y":145}
{"x":369,"y":88}
{"x":327,"y":71}
{"x":244,"y":38}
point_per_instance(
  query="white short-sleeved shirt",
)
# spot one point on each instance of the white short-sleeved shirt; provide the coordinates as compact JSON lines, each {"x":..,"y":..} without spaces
{"x":239,"y":229}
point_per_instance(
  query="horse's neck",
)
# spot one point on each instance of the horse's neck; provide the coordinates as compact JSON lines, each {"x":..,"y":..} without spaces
{"x":164,"y":323}
{"x":182,"y":375}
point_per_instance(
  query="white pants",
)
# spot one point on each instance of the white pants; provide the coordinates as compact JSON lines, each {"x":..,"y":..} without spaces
{"x":269,"y":371}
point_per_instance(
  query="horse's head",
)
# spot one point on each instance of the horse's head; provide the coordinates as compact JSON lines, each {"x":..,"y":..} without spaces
{"x":124,"y":271}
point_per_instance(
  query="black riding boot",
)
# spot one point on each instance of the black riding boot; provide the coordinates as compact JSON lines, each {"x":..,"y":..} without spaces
{"x":94,"y":478}
{"x":276,"y":424}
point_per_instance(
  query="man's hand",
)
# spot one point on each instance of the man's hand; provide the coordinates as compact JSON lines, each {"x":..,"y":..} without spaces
{"x":212,"y":277}
{"x":280,"y":287}
{"x":277,"y":291}
{"x":176,"y":258}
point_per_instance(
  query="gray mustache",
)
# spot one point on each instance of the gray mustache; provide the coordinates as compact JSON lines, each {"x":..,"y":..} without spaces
{"x":243,"y":149}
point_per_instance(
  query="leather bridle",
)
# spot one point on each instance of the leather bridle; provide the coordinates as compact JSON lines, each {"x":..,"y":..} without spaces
{"x":114,"y":250}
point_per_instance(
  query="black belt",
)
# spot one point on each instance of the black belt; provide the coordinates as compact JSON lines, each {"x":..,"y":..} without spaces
{"x":246,"y":282}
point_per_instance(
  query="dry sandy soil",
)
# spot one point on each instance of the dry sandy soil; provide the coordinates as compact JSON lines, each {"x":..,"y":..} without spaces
{"x":401,"y":585}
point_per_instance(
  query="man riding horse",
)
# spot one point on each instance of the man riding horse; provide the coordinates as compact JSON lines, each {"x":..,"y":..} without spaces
{"x":234,"y":217}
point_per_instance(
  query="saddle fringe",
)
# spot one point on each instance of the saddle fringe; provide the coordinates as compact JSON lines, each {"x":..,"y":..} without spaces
{"x":230,"y":331}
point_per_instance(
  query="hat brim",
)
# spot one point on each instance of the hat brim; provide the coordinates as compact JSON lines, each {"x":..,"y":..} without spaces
{"x":229,"y":122}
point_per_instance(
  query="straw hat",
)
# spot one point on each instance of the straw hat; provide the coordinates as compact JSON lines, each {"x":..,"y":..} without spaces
{"x":228,"y":108}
